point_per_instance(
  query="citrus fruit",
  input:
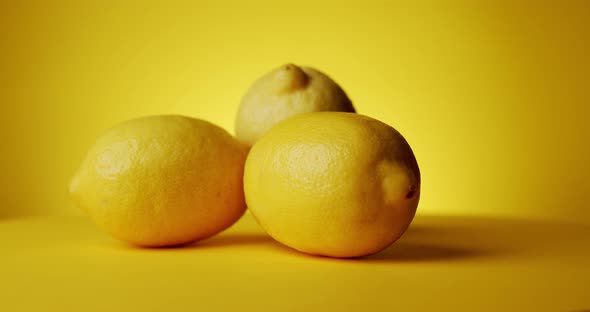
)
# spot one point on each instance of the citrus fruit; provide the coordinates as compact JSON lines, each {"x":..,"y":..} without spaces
{"x":162,"y":180}
{"x":285,"y":92}
{"x":333,"y":184}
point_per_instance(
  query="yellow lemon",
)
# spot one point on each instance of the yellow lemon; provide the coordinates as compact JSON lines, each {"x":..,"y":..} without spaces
{"x":333,"y":184}
{"x":162,"y":180}
{"x":283,"y":93}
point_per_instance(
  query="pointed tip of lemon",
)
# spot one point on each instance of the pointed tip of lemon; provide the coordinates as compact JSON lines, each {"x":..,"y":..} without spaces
{"x":74,"y":191}
{"x":74,"y":184}
{"x":289,"y":78}
{"x":396,"y":184}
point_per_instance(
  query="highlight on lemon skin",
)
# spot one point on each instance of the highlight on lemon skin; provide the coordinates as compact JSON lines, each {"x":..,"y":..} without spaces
{"x":162,"y":181}
{"x":284,"y":92}
{"x":333,"y":184}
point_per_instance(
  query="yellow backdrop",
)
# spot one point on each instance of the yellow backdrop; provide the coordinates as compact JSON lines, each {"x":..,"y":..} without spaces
{"x":493,"y":98}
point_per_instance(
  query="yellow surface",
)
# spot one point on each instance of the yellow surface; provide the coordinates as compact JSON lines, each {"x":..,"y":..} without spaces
{"x":492,"y":95}
{"x":441,"y":264}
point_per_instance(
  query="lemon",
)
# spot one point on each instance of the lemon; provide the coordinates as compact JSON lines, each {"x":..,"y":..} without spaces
{"x":162,"y":180}
{"x":283,"y":93}
{"x":333,"y":184}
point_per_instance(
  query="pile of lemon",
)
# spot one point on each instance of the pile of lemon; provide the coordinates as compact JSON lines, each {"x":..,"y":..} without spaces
{"x":315,"y":175}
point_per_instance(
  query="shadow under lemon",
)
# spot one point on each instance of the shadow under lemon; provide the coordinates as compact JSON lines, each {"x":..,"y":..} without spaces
{"x":419,"y":243}
{"x":429,"y":238}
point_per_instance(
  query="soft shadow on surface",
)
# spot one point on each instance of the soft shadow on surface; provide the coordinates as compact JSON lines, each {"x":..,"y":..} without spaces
{"x":440,"y":240}
{"x":233,"y":239}
{"x":403,"y":251}
{"x":6,"y":214}
{"x":434,"y":241}
{"x":219,"y":241}
{"x":429,"y":239}
{"x":433,"y":238}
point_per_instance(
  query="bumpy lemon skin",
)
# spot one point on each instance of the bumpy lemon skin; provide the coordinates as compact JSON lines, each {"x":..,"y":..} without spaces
{"x":162,"y":181}
{"x":333,"y":184}
{"x":284,"y":92}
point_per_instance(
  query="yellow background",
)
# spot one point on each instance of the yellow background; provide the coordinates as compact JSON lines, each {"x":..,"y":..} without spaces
{"x":493,"y":96}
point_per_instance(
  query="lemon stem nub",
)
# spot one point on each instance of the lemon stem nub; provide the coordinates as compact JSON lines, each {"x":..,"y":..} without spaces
{"x":290,"y":77}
